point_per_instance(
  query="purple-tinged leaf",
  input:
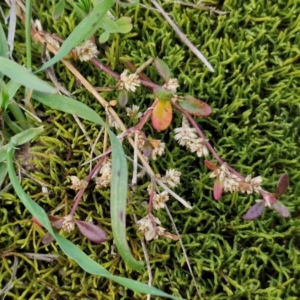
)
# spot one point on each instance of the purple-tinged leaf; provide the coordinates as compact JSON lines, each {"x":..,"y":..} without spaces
{"x":210,"y":165}
{"x":48,"y":239}
{"x":123,"y":98}
{"x":255,"y":211}
{"x":56,"y":222}
{"x":281,"y":209}
{"x":147,"y":148}
{"x":162,"y":68}
{"x":195,"y":106}
{"x":282,"y":185}
{"x":218,"y":189}
{"x":162,"y":94}
{"x":91,"y":231}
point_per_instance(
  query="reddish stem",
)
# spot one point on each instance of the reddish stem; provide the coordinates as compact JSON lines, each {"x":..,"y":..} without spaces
{"x":89,"y":177}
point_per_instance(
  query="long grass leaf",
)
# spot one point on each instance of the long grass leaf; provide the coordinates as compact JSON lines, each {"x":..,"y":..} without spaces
{"x":22,"y":76}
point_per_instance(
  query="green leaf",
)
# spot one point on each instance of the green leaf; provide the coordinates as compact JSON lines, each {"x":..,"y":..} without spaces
{"x":3,"y":45}
{"x":3,"y":172}
{"x":123,"y":98}
{"x":12,"y":88}
{"x":83,"y":31}
{"x":3,"y":151}
{"x":195,"y":106}
{"x":27,"y":135}
{"x":162,"y":68}
{"x":118,"y":188}
{"x":124,"y":25}
{"x":58,"y":9}
{"x":162,"y":94}
{"x":109,"y":25}
{"x":103,"y":37}
{"x":4,"y":97}
{"x":22,"y":76}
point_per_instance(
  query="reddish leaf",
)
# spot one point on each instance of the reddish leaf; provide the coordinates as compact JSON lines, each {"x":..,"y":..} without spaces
{"x":162,"y":68}
{"x":195,"y":106}
{"x":91,"y":231}
{"x":210,"y":165}
{"x":255,"y":211}
{"x":34,"y":220}
{"x":281,"y":209}
{"x":162,"y":94}
{"x":56,"y":222}
{"x":123,"y":98}
{"x":162,"y":115}
{"x":282,"y":185}
{"x":218,"y":189}
{"x":48,"y":239}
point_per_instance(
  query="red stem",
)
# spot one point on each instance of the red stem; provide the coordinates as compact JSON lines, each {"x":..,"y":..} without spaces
{"x":89,"y":177}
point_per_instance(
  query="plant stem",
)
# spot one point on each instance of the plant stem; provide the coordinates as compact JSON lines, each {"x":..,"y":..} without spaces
{"x":89,"y":177}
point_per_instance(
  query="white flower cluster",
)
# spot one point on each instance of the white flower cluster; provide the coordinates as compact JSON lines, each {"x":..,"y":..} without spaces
{"x":86,"y":51}
{"x":129,"y":82}
{"x":232,"y":183}
{"x":158,"y":148}
{"x":186,"y":136}
{"x":159,"y":200}
{"x":68,"y":224}
{"x":105,"y":178}
{"x":171,"y":85}
{"x":134,"y":112}
{"x":148,"y":227}
{"x":77,"y":184}
{"x":172,"y":178}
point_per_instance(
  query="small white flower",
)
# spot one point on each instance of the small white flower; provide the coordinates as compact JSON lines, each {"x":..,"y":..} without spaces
{"x":129,"y":82}
{"x":110,"y":119}
{"x":251,"y":184}
{"x":105,"y":178}
{"x":185,"y":134}
{"x":147,"y":226}
{"x":77,"y":184}
{"x":159,"y":200}
{"x":68,"y":224}
{"x":221,"y":173}
{"x":172,"y":178}
{"x":231,"y":185}
{"x":199,"y":146}
{"x":134,"y":112}
{"x":86,"y":51}
{"x":172,"y":85}
{"x":158,"y":148}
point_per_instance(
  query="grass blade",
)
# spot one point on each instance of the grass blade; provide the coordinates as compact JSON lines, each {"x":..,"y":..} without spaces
{"x":20,"y":75}
{"x":83,"y":31}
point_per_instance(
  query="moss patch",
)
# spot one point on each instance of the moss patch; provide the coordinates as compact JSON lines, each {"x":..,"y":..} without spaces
{"x":254,"y":127}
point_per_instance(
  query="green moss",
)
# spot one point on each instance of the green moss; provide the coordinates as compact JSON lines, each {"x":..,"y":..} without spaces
{"x":254,"y":127}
